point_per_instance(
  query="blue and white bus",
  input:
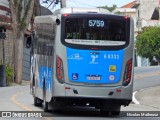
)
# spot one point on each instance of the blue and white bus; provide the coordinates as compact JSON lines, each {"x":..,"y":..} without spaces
{"x":83,"y":57}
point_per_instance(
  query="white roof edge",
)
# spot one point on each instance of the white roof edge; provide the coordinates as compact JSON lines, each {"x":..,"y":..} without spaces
{"x":125,"y":10}
{"x":51,"y":18}
{"x":45,"y":19}
{"x":81,"y":10}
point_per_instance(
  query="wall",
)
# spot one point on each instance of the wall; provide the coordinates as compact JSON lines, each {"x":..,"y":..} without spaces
{"x":8,"y":48}
{"x":147,"y":8}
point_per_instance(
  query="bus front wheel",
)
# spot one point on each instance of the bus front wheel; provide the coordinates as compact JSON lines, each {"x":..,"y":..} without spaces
{"x":37,"y":101}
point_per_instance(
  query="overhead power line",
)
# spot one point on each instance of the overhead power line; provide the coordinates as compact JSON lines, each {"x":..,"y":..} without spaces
{"x":54,"y":2}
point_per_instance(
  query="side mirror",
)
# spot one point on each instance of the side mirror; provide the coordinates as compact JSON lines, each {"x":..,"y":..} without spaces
{"x":28,"y":41}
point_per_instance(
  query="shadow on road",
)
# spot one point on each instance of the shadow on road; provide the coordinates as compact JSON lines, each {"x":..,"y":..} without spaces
{"x":76,"y":112}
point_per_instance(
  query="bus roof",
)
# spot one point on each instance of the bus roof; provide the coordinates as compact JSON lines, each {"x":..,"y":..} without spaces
{"x":51,"y":18}
{"x":45,"y":19}
{"x":81,"y":10}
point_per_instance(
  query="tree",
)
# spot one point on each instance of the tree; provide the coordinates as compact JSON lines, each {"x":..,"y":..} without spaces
{"x":22,"y":12}
{"x":148,"y":43}
{"x":109,"y":8}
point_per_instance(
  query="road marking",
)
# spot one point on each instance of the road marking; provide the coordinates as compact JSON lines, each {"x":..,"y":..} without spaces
{"x":13,"y":98}
{"x":19,"y":104}
{"x":134,"y":100}
{"x":146,"y":75}
{"x":48,"y":118}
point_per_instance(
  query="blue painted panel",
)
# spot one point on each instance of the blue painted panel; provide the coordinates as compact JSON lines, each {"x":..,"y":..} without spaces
{"x":45,"y":72}
{"x":93,"y":66}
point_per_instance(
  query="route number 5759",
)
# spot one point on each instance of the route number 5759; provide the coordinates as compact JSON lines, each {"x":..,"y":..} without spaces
{"x":96,"y":23}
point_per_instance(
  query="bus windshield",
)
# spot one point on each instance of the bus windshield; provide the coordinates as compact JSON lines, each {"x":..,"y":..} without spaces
{"x":96,"y":31}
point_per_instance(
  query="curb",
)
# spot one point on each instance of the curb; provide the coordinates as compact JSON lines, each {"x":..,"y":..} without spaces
{"x":24,"y":83}
{"x":134,"y":100}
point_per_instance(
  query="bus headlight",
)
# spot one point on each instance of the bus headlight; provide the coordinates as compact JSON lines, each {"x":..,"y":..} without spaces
{"x":128,"y":73}
{"x":59,"y":69}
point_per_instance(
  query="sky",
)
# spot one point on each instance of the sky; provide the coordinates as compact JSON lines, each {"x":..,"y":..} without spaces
{"x":96,"y":3}
{"x":93,"y":3}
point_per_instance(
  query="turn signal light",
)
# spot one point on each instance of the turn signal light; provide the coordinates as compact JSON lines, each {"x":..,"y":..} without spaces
{"x":59,"y":69}
{"x":128,"y":73}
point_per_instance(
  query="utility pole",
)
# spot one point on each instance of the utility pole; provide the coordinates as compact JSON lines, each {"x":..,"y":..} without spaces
{"x":63,"y":3}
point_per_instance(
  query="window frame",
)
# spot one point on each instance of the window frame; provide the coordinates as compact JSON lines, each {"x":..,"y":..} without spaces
{"x":86,"y":16}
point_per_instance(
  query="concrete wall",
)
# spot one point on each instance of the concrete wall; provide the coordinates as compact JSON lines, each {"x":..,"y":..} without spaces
{"x":147,"y":8}
{"x":8,"y":42}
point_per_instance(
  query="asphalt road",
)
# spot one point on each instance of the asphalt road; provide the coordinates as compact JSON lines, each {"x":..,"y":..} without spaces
{"x":17,"y":98}
{"x":146,"y":77}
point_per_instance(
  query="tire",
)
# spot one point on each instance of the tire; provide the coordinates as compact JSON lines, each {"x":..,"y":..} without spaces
{"x":104,"y":112}
{"x":115,"y":113}
{"x":45,"y":103}
{"x":37,"y":101}
{"x":116,"y":110}
{"x":32,"y":86}
{"x":111,"y":109}
{"x":58,"y":107}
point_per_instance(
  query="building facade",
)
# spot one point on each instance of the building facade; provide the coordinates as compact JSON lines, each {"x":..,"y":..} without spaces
{"x":5,"y":20}
{"x":145,"y":13}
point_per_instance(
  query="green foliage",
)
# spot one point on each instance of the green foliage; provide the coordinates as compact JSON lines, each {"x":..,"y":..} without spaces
{"x":9,"y":75}
{"x":109,"y":8}
{"x":148,"y":43}
{"x":118,"y":13}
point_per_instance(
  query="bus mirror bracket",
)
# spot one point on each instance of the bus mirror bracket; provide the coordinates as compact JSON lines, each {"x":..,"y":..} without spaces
{"x":28,"y":42}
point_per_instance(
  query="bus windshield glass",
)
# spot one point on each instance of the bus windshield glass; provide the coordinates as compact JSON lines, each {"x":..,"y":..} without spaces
{"x":96,"y":31}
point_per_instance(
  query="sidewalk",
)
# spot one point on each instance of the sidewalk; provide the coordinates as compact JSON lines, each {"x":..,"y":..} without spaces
{"x":149,"y":97}
{"x":24,"y":82}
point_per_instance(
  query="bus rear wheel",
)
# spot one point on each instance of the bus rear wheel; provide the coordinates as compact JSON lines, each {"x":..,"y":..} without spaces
{"x":110,"y":109}
{"x":115,"y":113}
{"x":116,"y":110}
{"x":104,"y":112}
